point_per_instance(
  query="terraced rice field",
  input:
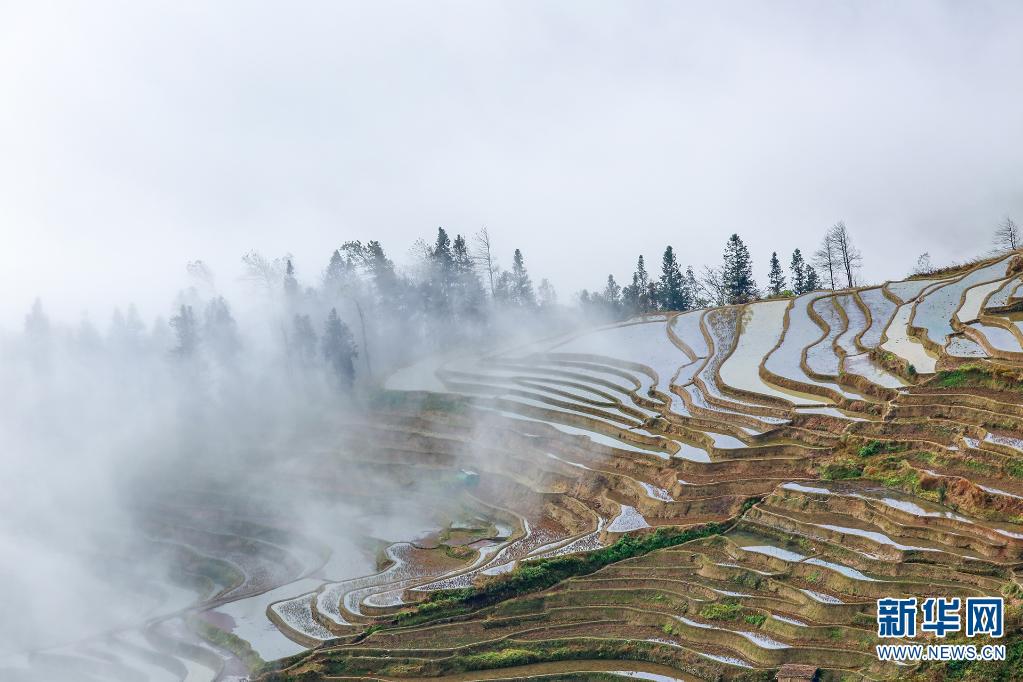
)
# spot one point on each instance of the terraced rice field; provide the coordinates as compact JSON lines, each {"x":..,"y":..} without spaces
{"x":907,"y":345}
{"x":709,"y":495}
{"x":933,"y":314}
{"x":774,"y":523}
{"x":880,"y":309}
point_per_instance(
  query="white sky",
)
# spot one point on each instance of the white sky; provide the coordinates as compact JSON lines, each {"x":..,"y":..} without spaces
{"x":136,"y":136}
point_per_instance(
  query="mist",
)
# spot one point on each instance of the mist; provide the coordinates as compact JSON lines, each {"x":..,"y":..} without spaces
{"x":221,"y":237}
{"x":134,"y":444}
{"x":583,"y":133}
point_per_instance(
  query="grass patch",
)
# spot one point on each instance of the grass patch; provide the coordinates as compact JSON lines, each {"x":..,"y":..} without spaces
{"x":976,"y":375}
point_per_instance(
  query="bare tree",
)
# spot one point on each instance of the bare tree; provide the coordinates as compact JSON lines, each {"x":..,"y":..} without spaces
{"x":825,"y":258}
{"x":484,"y":256}
{"x":923,"y":264}
{"x":265,"y":273}
{"x":712,"y":286}
{"x":201,"y":273}
{"x":849,"y":257}
{"x":1007,"y":236}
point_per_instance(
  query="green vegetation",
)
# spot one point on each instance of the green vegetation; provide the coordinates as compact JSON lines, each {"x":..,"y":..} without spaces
{"x":952,"y":379}
{"x":756,"y":619}
{"x":977,"y":375}
{"x":502,"y":658}
{"x":533,"y":576}
{"x":721,"y":611}
{"x":228,"y":641}
{"x":385,"y":399}
{"x":841,"y":469}
{"x":875,"y":447}
{"x":1015,"y":467}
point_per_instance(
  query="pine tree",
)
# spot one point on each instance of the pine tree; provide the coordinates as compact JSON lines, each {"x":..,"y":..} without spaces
{"x":504,"y":288}
{"x":612,"y":295}
{"x":797,"y":266}
{"x":340,"y":275}
{"x":522,"y":286}
{"x":442,"y":247}
{"x":469,"y":295}
{"x":290,"y":283}
{"x":636,"y":296}
{"x":811,"y":278}
{"x":380,"y":268}
{"x":339,"y":349}
{"x":439,"y":289}
{"x":776,"y":276}
{"x":186,"y":332}
{"x":669,"y":291}
{"x":641,"y":285}
{"x":737,"y":273}
{"x":220,"y":331}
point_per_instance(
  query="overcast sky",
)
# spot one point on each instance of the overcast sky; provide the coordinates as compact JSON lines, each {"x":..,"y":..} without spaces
{"x":136,"y":136}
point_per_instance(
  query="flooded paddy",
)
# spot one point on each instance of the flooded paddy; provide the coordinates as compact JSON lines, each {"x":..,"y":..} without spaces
{"x":881,"y":310}
{"x":762,"y":327}
{"x":936,"y":307}
{"x":905,"y":346}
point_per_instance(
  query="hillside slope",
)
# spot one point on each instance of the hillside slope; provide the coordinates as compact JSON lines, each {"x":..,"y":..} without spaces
{"x":708,"y":494}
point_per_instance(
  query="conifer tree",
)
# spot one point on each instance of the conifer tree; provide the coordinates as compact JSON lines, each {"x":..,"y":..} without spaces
{"x":613,"y":295}
{"x":776,"y":276}
{"x":468,"y":294}
{"x":340,"y":275}
{"x":641,"y":282}
{"x":381,"y":271}
{"x":812,"y":281}
{"x":797,"y":267}
{"x":504,"y":288}
{"x":669,"y":291}
{"x":290,"y":283}
{"x":439,"y":287}
{"x":636,"y":296}
{"x":442,"y":247}
{"x":339,"y":349}
{"x":737,"y":273}
{"x":522,"y":286}
{"x":220,"y":331}
{"x":186,"y":332}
